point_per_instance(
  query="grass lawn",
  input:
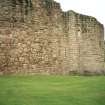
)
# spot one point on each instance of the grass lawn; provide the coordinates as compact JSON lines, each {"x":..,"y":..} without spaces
{"x":52,"y":90}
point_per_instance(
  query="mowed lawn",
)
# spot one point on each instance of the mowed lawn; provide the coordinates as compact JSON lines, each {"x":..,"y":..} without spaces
{"x":52,"y":90}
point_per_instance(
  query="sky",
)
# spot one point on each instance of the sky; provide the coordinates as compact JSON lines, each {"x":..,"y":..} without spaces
{"x":95,"y":8}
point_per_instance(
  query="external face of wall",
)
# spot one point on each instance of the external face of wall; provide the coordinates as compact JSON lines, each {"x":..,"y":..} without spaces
{"x":33,"y":46}
{"x":41,"y":38}
{"x":85,"y":43}
{"x":90,"y":37}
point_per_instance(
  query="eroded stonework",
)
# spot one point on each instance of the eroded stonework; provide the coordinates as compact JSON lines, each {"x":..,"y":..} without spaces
{"x":37,"y":37}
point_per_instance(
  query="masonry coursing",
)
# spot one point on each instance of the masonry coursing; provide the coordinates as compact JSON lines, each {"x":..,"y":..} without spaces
{"x":36,"y":36}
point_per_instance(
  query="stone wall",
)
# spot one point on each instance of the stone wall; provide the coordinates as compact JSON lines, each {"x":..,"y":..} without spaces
{"x":37,"y":37}
{"x":86,"y":37}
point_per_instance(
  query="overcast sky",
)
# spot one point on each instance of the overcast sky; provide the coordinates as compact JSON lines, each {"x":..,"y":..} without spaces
{"x":95,"y":8}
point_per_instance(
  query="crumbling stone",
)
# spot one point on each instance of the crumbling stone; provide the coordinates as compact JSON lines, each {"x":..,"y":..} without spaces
{"x":36,"y":36}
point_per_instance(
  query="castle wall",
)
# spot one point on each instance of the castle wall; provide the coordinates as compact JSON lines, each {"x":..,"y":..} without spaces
{"x":90,"y":34}
{"x":45,"y":40}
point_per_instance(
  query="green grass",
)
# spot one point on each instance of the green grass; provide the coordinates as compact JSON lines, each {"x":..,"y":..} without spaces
{"x":52,"y":90}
